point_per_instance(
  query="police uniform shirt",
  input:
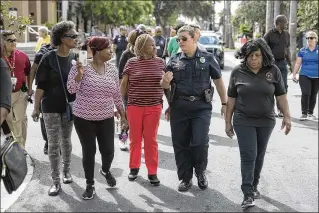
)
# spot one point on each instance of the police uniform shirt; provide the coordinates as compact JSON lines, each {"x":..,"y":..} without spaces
{"x":193,"y":75}
{"x":254,"y":95}
{"x":120,"y":42}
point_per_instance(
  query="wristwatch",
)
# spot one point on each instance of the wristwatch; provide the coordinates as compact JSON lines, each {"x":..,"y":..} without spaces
{"x":224,"y":104}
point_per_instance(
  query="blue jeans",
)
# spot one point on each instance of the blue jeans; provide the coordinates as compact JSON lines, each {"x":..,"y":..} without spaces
{"x":282,"y":65}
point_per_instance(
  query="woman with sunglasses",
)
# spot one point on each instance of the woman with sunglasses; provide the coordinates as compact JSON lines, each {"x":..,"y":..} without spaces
{"x":126,"y":55}
{"x":307,"y":65}
{"x":189,"y":74}
{"x":51,"y":79}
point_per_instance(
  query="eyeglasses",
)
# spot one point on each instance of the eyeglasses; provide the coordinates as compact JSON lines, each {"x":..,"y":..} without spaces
{"x":182,"y":38}
{"x":310,"y":38}
{"x":11,"y":40}
{"x":73,"y":36}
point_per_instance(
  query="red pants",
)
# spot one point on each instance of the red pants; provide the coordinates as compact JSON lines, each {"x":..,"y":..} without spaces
{"x":143,"y":123}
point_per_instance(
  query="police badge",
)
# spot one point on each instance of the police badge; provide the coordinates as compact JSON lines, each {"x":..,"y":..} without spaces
{"x":202,"y":60}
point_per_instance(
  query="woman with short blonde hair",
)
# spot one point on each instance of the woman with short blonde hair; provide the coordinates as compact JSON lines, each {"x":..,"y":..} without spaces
{"x":307,"y":65}
{"x":44,"y":38}
{"x":140,"y":82}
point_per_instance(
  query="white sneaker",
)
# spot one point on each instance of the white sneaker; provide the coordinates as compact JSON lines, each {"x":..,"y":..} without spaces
{"x":123,"y":145}
{"x":303,"y":117}
{"x":312,"y":117}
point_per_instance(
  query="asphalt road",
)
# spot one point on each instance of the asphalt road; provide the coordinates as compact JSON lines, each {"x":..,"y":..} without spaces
{"x":289,"y":179}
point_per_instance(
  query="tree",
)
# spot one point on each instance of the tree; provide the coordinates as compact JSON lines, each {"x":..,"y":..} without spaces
{"x":17,"y":24}
{"x":307,"y":15}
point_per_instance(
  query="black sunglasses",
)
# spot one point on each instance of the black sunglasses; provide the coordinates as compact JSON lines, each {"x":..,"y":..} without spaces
{"x":73,"y":36}
{"x":310,"y":38}
{"x":11,"y":40}
{"x":183,"y":39}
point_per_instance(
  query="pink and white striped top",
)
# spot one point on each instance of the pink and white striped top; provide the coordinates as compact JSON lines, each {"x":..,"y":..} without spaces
{"x":96,"y":94}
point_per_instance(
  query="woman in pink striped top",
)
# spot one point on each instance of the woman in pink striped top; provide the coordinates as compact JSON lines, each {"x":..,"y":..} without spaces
{"x":97,"y":91}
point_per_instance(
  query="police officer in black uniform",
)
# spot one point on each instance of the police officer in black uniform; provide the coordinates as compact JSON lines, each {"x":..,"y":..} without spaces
{"x":188,"y":80}
{"x":119,"y":45}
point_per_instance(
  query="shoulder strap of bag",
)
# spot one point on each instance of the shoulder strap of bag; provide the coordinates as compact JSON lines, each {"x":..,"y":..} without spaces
{"x":65,"y":94}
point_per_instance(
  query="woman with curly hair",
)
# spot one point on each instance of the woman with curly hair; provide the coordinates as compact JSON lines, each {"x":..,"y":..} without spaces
{"x":252,"y":87}
{"x":140,"y":83}
{"x":126,"y":55}
{"x":51,"y":79}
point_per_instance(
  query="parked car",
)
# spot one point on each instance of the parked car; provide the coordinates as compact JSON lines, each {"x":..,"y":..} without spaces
{"x":212,"y":42}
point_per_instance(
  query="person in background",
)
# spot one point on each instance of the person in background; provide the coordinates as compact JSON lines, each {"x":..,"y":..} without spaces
{"x":51,"y":79}
{"x":140,"y":83}
{"x":97,"y":91}
{"x":190,"y":72}
{"x":171,"y":35}
{"x":278,"y":40}
{"x":149,"y":31}
{"x":82,"y":36}
{"x":127,"y":54}
{"x":19,"y":66}
{"x":173,"y":47}
{"x":252,"y":87}
{"x":119,"y":45}
{"x":307,"y":62}
{"x":160,"y":42}
{"x":85,"y":47}
{"x":141,"y":27}
{"x":44,"y":38}
{"x":96,"y":32}
{"x":38,"y":56}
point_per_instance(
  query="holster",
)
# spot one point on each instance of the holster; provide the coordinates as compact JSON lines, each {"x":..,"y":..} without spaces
{"x":208,"y":94}
{"x":170,"y":93}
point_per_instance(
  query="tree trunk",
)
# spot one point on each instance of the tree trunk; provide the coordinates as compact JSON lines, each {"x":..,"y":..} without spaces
{"x":230,"y":29}
{"x":276,"y":8}
{"x":269,"y":15}
{"x":293,"y":31}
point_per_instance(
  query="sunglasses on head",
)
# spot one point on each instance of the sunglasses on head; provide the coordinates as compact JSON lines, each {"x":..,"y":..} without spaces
{"x":11,"y":40}
{"x":182,"y":38}
{"x":310,"y":38}
{"x":73,"y":36}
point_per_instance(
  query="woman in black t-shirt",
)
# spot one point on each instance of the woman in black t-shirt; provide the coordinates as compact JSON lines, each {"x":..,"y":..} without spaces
{"x":252,"y":87}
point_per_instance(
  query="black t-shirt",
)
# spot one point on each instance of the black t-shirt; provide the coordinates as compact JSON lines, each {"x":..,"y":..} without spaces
{"x":126,"y":55}
{"x":278,"y":43}
{"x":43,"y":50}
{"x":5,"y":86}
{"x":254,"y":95}
{"x":48,"y":78}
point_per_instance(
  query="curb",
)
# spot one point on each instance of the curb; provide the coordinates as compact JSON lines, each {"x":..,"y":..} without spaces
{"x":8,"y":199}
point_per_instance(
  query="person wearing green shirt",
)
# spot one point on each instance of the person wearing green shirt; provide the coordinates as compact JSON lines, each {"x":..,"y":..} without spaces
{"x":173,"y":47}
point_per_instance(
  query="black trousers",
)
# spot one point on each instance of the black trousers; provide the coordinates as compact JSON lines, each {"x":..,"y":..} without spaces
{"x":5,"y":128}
{"x":252,"y":143}
{"x":118,"y":55}
{"x":189,"y":130}
{"x":88,"y":132}
{"x":309,"y":90}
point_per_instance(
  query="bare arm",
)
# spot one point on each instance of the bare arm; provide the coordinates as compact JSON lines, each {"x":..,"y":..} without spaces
{"x":220,"y":86}
{"x":34,"y":68}
{"x":297,"y":65}
{"x":283,"y":103}
{"x":164,"y":84}
{"x":230,"y":109}
{"x":37,"y":99}
{"x":124,"y":84}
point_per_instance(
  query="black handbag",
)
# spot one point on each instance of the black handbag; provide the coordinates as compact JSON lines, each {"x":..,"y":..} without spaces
{"x":14,"y":165}
{"x":69,"y":105}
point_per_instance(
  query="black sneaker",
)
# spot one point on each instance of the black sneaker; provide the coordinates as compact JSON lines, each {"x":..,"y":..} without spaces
{"x":110,"y":180}
{"x":67,"y":178}
{"x":256,"y":193}
{"x":133,"y":174}
{"x":202,"y":180}
{"x":248,"y":202}
{"x":89,"y":192}
{"x":54,"y":189}
{"x":185,"y":186}
{"x":154,"y":180}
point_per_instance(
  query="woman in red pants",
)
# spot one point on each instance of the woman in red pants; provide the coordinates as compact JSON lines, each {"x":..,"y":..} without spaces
{"x":140,"y":82}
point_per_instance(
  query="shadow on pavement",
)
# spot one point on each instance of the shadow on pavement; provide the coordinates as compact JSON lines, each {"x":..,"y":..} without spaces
{"x":309,"y":123}
{"x":222,"y":141}
{"x":281,"y":207}
{"x":195,"y":200}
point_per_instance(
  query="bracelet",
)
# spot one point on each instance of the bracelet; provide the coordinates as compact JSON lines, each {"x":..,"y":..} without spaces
{"x":224,"y":104}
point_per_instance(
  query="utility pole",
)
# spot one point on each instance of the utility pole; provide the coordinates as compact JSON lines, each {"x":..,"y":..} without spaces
{"x":230,"y":29}
{"x":224,"y":22}
{"x":276,"y":8}
{"x":269,"y":15}
{"x":293,"y":31}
